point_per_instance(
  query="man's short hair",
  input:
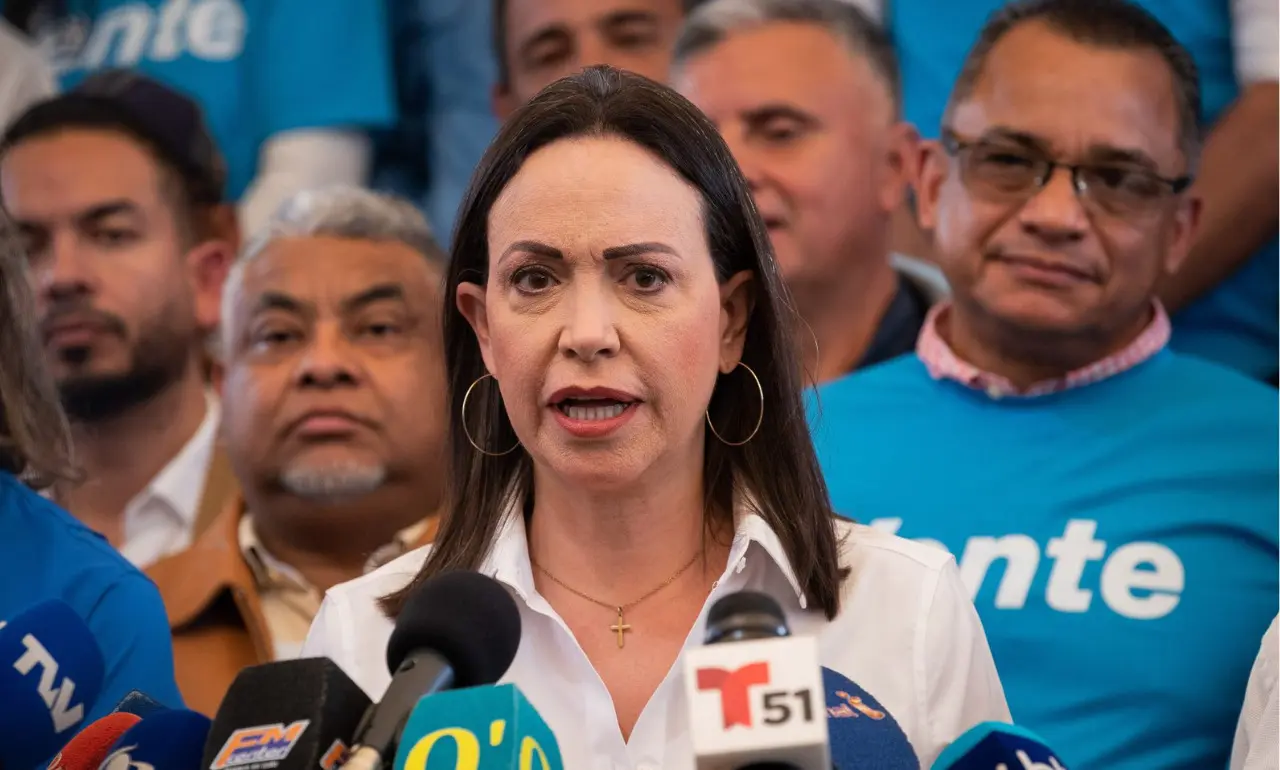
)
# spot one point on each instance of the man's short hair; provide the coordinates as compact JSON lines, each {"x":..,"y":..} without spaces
{"x":339,"y":212}
{"x":168,"y":124}
{"x":711,"y":22}
{"x":1115,"y":24}
{"x":499,"y":27}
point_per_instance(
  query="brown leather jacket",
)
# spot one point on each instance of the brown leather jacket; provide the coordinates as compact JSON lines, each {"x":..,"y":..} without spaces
{"x":215,"y":612}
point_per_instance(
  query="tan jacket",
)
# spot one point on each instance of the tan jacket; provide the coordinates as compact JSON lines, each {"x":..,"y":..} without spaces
{"x":215,"y":612}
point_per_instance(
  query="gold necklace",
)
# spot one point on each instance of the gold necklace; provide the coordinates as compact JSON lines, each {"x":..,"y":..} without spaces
{"x":621,"y":627}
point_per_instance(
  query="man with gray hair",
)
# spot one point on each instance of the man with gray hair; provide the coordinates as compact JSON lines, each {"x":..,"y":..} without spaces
{"x":805,"y":92}
{"x":333,"y":396}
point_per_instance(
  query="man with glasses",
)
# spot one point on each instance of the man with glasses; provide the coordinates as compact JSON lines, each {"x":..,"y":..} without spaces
{"x":1111,"y":503}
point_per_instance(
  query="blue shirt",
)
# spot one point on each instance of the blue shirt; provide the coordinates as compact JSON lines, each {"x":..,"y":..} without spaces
{"x":1120,"y":539}
{"x":1234,"y":324}
{"x":257,"y":67}
{"x":46,"y":554}
{"x":446,"y":71}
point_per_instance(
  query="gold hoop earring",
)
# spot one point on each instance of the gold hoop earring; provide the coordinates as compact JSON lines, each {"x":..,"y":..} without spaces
{"x":467,"y":432}
{"x":759,"y":418}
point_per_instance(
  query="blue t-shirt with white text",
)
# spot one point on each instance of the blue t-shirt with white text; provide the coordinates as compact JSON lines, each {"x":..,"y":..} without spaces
{"x":45,"y":554}
{"x":257,"y":67}
{"x":1238,"y":322}
{"x":1120,"y":539}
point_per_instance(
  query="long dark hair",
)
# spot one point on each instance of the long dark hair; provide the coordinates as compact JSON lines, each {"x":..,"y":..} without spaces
{"x":35,"y":440}
{"x":778,"y":467}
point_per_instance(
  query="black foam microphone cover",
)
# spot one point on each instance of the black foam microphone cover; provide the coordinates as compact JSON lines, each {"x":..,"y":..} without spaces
{"x":745,"y":615}
{"x":287,"y":693}
{"x":464,"y":617}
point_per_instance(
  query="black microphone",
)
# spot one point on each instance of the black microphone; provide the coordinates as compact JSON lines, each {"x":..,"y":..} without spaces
{"x":744,"y":616}
{"x":289,"y":715}
{"x":460,"y":629}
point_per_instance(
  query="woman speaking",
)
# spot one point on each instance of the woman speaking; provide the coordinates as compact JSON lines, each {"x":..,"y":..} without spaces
{"x":629,"y":444}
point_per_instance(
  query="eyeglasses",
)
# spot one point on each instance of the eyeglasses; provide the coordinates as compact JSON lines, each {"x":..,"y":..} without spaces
{"x":1003,"y":170}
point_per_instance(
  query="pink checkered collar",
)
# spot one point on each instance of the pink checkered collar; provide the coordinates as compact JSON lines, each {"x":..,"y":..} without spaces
{"x":943,"y":363}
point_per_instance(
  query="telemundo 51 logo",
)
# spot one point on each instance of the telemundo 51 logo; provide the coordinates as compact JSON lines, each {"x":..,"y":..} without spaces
{"x":477,"y":728}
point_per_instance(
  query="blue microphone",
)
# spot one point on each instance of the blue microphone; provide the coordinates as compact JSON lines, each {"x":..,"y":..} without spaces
{"x":172,"y":738}
{"x":139,"y":703}
{"x":51,"y":672}
{"x":998,"y":746}
{"x":860,"y":731}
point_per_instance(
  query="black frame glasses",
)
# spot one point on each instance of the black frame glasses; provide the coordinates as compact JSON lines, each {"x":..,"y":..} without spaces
{"x":1006,"y":170}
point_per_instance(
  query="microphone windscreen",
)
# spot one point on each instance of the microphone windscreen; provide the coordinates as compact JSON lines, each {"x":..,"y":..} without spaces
{"x":745,"y":615}
{"x":468,"y":619}
{"x":861,"y":732}
{"x":291,"y":714}
{"x":138,"y":702}
{"x":51,"y":672}
{"x":991,"y":744}
{"x":494,"y":726}
{"x":92,"y":745}
{"x":173,"y":738}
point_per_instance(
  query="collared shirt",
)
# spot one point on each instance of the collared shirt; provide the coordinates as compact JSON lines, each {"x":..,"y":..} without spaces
{"x":160,"y":519}
{"x":289,"y":602}
{"x":899,"y":326}
{"x":906,"y":633}
{"x":943,"y":363}
{"x":1257,"y":743}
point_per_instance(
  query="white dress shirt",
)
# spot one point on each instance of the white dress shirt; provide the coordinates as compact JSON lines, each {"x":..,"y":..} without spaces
{"x":907,"y":633}
{"x":1257,"y":744}
{"x":160,"y":519}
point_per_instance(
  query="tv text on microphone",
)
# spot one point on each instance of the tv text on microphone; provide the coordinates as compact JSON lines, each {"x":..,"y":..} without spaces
{"x":760,"y":697}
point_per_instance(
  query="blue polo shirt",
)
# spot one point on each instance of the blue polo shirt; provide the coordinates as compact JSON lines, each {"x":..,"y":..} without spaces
{"x":257,"y":67}
{"x":1119,"y":539}
{"x":46,"y":554}
{"x":1236,"y":323}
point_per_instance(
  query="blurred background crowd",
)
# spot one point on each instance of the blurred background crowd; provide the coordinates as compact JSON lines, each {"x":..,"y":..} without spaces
{"x":189,"y":181}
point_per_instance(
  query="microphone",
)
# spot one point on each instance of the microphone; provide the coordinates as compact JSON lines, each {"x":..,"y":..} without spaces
{"x":484,"y":728}
{"x":87,"y":750}
{"x":138,"y":702}
{"x":172,"y":739}
{"x":758,"y":701}
{"x":861,"y":732}
{"x":51,"y":672}
{"x":998,"y":746}
{"x":289,"y":715}
{"x":460,"y":629}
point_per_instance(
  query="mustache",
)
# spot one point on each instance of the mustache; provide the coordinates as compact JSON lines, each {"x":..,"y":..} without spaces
{"x":77,"y":313}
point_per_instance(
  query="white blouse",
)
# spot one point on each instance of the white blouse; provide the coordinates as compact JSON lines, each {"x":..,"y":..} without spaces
{"x":907,"y":633}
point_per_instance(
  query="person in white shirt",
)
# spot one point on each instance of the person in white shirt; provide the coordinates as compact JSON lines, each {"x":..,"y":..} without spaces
{"x":115,"y":188}
{"x":1257,"y":742}
{"x":629,"y":445}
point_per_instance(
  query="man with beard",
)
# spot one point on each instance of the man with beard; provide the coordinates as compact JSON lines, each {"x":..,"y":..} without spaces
{"x":116,"y":190}
{"x":333,"y":417}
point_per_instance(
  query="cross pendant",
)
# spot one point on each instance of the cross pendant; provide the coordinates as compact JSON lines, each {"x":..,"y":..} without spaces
{"x":620,"y":628}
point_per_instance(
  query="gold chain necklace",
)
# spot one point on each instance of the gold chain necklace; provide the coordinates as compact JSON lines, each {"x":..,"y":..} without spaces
{"x":621,"y":627}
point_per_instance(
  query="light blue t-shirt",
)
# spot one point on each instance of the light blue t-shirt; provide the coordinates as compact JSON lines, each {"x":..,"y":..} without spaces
{"x":1120,"y":539}
{"x":1236,"y":323}
{"x":46,"y":554}
{"x":257,"y":67}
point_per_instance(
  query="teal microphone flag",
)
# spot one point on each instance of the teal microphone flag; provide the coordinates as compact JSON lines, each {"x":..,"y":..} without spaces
{"x":493,"y":727}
